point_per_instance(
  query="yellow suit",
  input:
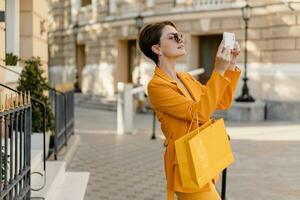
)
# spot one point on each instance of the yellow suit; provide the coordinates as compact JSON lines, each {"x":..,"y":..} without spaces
{"x":174,"y":108}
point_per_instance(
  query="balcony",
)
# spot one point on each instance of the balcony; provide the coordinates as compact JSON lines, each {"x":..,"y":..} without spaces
{"x":190,"y":5}
{"x":121,"y":9}
{"x":207,"y":2}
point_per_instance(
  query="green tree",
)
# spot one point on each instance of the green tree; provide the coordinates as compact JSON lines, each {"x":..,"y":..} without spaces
{"x":31,"y":79}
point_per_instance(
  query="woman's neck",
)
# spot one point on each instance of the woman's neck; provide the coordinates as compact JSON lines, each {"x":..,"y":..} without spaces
{"x":169,"y":67}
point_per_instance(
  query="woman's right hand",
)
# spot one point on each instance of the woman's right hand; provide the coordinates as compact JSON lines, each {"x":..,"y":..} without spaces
{"x":223,"y":58}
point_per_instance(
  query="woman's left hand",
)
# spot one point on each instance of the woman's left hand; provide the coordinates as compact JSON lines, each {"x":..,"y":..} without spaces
{"x":234,"y":55}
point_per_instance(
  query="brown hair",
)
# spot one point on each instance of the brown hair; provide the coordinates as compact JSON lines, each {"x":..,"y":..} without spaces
{"x":149,"y":36}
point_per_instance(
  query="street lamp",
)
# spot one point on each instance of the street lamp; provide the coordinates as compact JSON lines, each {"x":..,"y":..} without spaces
{"x":139,"y":23}
{"x":75,"y":30}
{"x":245,"y":96}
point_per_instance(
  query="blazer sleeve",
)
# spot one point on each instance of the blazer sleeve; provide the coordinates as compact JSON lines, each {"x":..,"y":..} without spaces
{"x":228,"y":95}
{"x":166,"y":100}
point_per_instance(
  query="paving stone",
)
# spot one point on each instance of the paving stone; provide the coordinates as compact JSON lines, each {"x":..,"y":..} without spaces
{"x":130,"y":167}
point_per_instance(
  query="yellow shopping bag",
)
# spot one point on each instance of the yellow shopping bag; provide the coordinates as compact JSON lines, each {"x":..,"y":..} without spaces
{"x":203,"y":153}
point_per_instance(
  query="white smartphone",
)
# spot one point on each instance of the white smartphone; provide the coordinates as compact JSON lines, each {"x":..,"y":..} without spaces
{"x":229,"y":40}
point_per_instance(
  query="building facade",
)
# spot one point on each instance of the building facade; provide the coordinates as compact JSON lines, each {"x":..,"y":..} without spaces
{"x":25,"y":35}
{"x":94,"y":42}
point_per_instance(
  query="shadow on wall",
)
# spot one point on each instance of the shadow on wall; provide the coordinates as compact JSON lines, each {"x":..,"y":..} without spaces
{"x":98,"y":79}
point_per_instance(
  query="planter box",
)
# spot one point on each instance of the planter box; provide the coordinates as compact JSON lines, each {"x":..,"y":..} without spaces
{"x":246,"y":111}
{"x":37,"y":142}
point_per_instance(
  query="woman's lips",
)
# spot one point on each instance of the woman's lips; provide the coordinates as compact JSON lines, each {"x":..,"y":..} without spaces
{"x":181,"y":46}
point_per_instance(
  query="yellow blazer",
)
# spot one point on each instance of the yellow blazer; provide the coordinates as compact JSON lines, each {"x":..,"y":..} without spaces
{"x":174,"y":108}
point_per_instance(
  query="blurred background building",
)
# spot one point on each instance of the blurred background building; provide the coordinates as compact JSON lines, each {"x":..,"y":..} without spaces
{"x":93,"y":42}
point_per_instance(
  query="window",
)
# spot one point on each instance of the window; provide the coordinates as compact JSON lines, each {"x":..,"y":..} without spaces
{"x":86,"y":2}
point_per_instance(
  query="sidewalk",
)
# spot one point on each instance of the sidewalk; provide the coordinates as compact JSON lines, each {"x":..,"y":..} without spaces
{"x":131,"y":166}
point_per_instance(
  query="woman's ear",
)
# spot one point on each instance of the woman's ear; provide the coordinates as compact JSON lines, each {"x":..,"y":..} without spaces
{"x":155,"y":49}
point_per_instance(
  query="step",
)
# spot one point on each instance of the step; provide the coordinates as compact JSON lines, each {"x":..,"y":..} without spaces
{"x":68,"y":152}
{"x":95,"y":102}
{"x":36,"y":159}
{"x":73,"y":187}
{"x":97,"y":105}
{"x":54,"y":178}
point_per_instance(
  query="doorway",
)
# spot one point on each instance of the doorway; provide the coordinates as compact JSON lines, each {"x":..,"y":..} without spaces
{"x":132,"y":59}
{"x":81,"y":57}
{"x":126,"y":61}
{"x":208,"y":47}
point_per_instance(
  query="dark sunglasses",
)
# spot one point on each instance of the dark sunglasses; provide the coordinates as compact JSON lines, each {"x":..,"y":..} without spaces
{"x":177,"y":37}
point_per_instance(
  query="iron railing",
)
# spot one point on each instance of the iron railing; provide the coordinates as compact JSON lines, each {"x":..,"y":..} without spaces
{"x":15,"y":132}
{"x":63,"y":108}
{"x":42,"y":107}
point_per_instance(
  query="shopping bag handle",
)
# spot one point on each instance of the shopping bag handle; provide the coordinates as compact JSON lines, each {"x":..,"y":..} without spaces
{"x":193,"y":117}
{"x":192,"y":122}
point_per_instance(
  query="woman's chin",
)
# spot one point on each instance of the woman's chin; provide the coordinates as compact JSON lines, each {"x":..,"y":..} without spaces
{"x":180,"y":54}
{"x":177,"y":54}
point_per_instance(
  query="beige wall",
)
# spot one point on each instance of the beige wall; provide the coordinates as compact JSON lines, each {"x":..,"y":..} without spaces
{"x":268,"y":30}
{"x":273,"y":36}
{"x":33,"y":18}
{"x":32,"y":41}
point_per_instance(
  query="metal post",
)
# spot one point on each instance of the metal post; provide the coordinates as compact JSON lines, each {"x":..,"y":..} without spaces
{"x":16,"y":145}
{"x":11,"y":134}
{"x":65,"y":110}
{"x":56,"y":127}
{"x":77,"y":84}
{"x":44,"y":136}
{"x":28,"y":160}
{"x":1,"y":158}
{"x":139,"y":24}
{"x":153,"y":137}
{"x":21,"y":142}
{"x":223,"y":192}
{"x":5,"y":150}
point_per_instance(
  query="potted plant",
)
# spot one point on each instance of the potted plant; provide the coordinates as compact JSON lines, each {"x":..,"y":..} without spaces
{"x":11,"y":62}
{"x":31,"y":79}
{"x":11,"y":59}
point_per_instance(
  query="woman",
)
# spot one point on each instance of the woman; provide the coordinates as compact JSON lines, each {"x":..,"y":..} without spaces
{"x":177,"y":96}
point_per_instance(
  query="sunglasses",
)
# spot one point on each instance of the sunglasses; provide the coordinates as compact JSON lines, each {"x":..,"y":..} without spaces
{"x":177,"y":37}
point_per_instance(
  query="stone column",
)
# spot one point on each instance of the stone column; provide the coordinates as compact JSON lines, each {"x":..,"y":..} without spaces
{"x":12,"y":29}
{"x":125,"y":109}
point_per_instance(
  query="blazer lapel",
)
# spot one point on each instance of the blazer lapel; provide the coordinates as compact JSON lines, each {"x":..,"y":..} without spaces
{"x":163,"y":75}
{"x":186,"y":83}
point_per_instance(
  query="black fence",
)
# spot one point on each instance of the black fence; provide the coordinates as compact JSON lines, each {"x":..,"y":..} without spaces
{"x":15,"y":132}
{"x":63,"y":109}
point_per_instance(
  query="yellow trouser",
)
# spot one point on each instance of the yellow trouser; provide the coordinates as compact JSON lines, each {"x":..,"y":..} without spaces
{"x":209,"y":195}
